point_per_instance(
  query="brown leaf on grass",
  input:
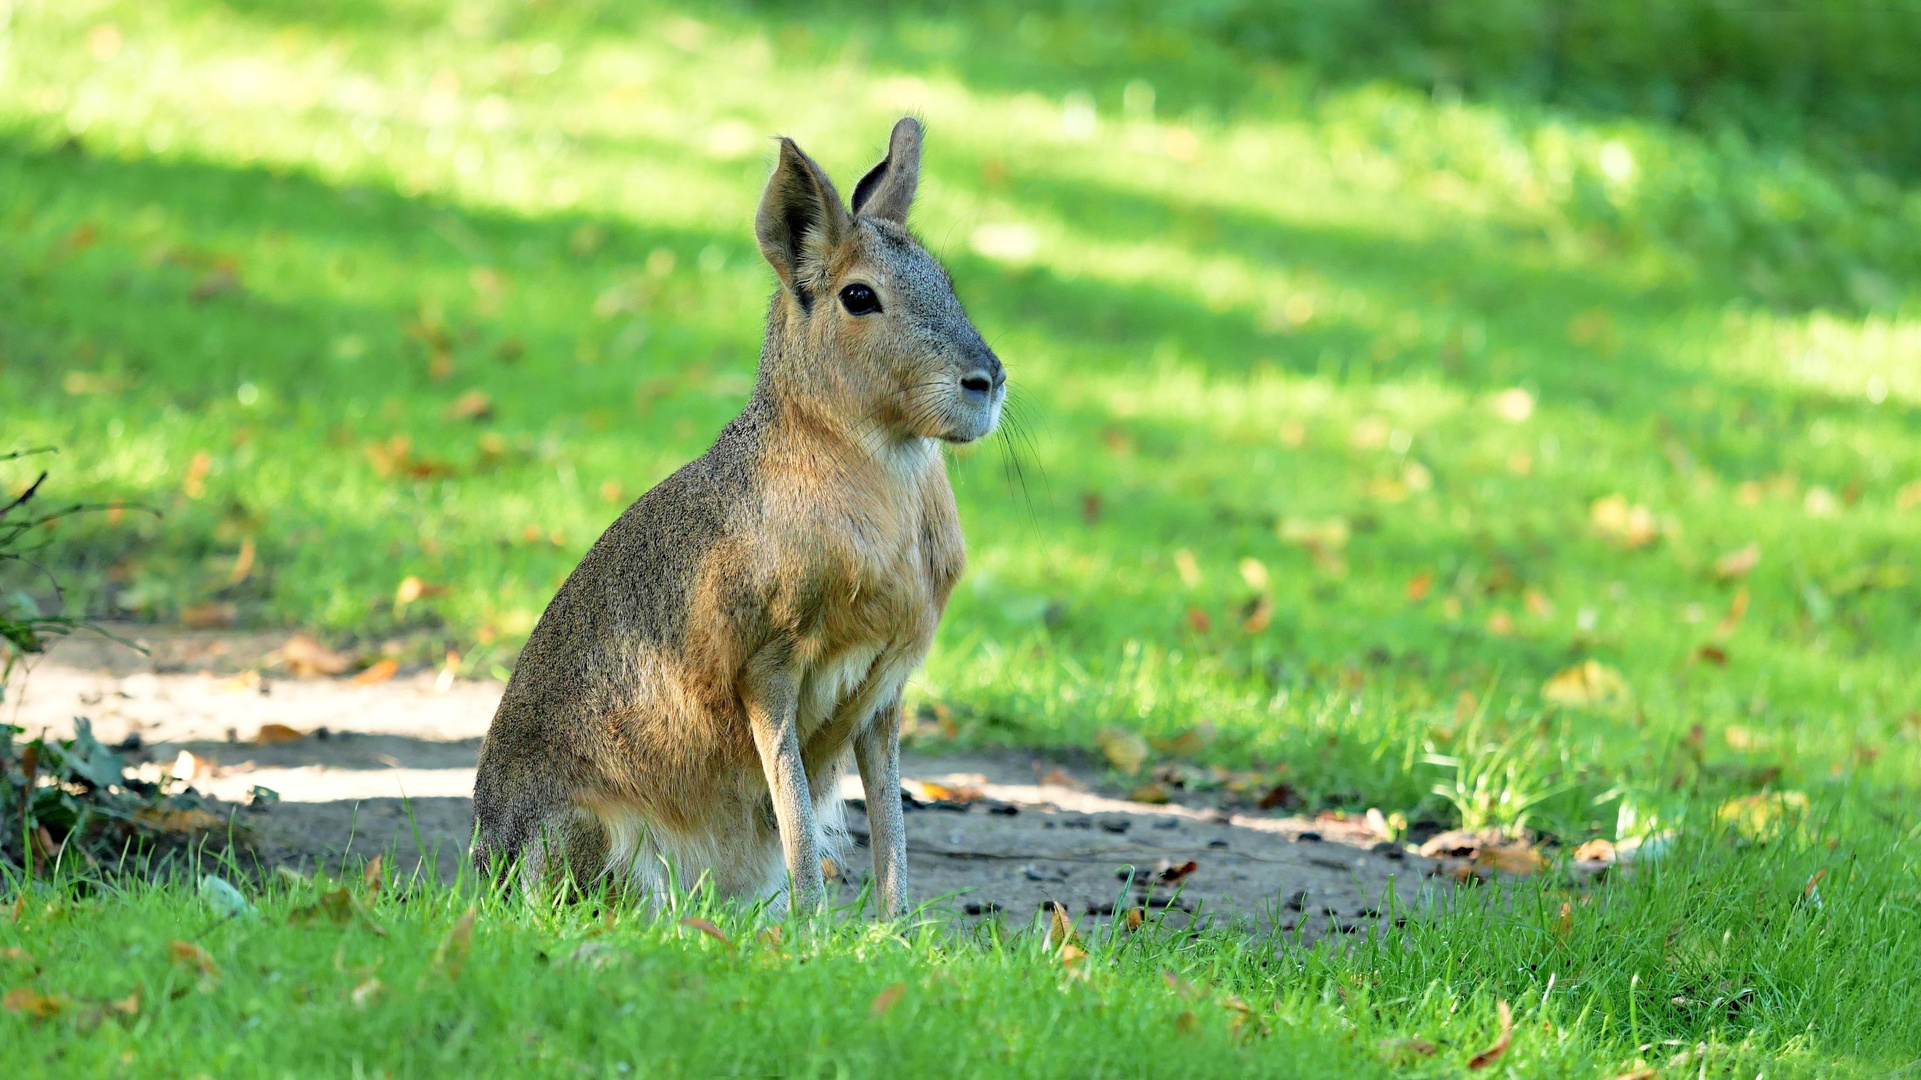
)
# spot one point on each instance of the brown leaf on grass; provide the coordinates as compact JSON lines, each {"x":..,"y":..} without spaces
{"x":1588,"y":684}
{"x":475,"y":404}
{"x":33,"y":1004}
{"x":1134,"y":919}
{"x":1091,"y":507}
{"x":276,"y":734}
{"x":1564,"y":923}
{"x":242,"y":563}
{"x":1256,"y":614}
{"x":1808,"y":889}
{"x":1060,"y":926}
{"x":367,"y":992}
{"x":695,"y":922}
{"x":1624,"y":525}
{"x":188,"y":955}
{"x":1199,"y":620}
{"x":1418,"y":587}
{"x":1737,"y":610}
{"x":451,"y":955}
{"x":1123,"y":749}
{"x":1493,"y":1053}
{"x":371,"y":874}
{"x":129,"y":1005}
{"x":887,"y":999}
{"x":210,"y":615}
{"x":14,"y":954}
{"x":380,"y":672}
{"x":306,"y":657}
{"x":1186,"y":1023}
{"x":1712,"y":654}
{"x":1406,"y":1051}
{"x":1737,"y":563}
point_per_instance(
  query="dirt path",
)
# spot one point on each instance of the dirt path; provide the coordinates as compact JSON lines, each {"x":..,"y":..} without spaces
{"x":389,"y":767}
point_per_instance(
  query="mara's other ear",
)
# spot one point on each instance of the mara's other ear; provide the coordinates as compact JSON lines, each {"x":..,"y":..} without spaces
{"x":887,"y":191}
{"x":800,"y":221}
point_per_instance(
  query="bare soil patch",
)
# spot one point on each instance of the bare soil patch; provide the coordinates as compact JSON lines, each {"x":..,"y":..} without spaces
{"x":387,"y":768}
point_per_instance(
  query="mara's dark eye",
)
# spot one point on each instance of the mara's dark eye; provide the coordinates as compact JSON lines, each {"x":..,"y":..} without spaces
{"x":859,"y":300}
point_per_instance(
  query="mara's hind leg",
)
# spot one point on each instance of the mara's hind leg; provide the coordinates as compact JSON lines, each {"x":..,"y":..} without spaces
{"x":564,"y":849}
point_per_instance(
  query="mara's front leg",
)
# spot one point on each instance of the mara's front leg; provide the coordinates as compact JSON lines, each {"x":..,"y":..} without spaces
{"x":877,"y":753}
{"x":771,"y":691}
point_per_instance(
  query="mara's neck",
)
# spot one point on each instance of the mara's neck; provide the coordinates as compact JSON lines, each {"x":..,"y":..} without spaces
{"x":837,"y":437}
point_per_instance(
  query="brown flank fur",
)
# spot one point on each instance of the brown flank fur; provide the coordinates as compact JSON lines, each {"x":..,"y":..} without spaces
{"x":688,"y":700}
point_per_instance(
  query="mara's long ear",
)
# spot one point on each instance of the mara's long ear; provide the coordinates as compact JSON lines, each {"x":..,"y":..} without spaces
{"x":800,"y":221}
{"x":887,"y":191}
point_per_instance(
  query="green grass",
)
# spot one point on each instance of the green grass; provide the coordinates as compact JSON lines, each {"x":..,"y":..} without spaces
{"x":1688,"y":966}
{"x":252,"y":253}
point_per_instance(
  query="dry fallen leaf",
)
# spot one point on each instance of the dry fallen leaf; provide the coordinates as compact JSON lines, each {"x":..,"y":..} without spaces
{"x":695,"y":922}
{"x":1518,"y":857}
{"x":364,"y":994}
{"x":33,"y":1004}
{"x":184,"y":822}
{"x":1418,"y":586}
{"x":1493,"y":1053}
{"x":1406,"y":1051}
{"x":275,"y":734}
{"x":371,"y":874}
{"x":1135,"y":917}
{"x":887,"y":999}
{"x":475,"y":404}
{"x":1564,"y":923}
{"x":1595,"y":850}
{"x":1151,"y":793}
{"x":129,"y":1005}
{"x":1737,"y":610}
{"x":1737,"y":563}
{"x":1187,"y":743}
{"x":210,"y":615}
{"x":451,"y":956}
{"x":1256,"y":614}
{"x":1199,"y":620}
{"x":380,"y":672}
{"x":1628,"y":526}
{"x":1186,"y":1023}
{"x":242,"y":563}
{"x":1060,"y":926}
{"x":1122,"y":748}
{"x":187,"y":954}
{"x":1072,"y":954}
{"x":306,"y":657}
{"x":1586,"y":685}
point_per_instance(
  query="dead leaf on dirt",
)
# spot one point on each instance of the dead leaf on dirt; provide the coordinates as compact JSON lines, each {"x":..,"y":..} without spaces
{"x":1168,"y":872}
{"x":475,"y":404}
{"x":451,"y":955}
{"x":1280,"y":795}
{"x":306,"y":657}
{"x":1737,"y":563}
{"x":276,"y":734}
{"x":188,"y":955}
{"x":1518,"y":857}
{"x":887,"y":999}
{"x":366,"y":993}
{"x":210,"y":615}
{"x":1059,"y":777}
{"x":1628,"y":526}
{"x":1406,"y":1051}
{"x":1123,"y":749}
{"x":1589,"y":684}
{"x":380,"y":672}
{"x":1493,"y":1053}
{"x":33,"y":1004}
{"x":180,"y":822}
{"x":1151,"y":793}
{"x":695,"y":922}
{"x":958,"y":790}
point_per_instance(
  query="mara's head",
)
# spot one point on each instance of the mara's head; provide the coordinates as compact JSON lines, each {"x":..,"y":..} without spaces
{"x":866,"y":322}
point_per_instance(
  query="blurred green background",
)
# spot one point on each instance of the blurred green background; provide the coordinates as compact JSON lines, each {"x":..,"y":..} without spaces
{"x":1374,"y":361}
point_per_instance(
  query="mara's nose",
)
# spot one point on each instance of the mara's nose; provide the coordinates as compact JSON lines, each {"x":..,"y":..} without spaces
{"x":983,"y":380}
